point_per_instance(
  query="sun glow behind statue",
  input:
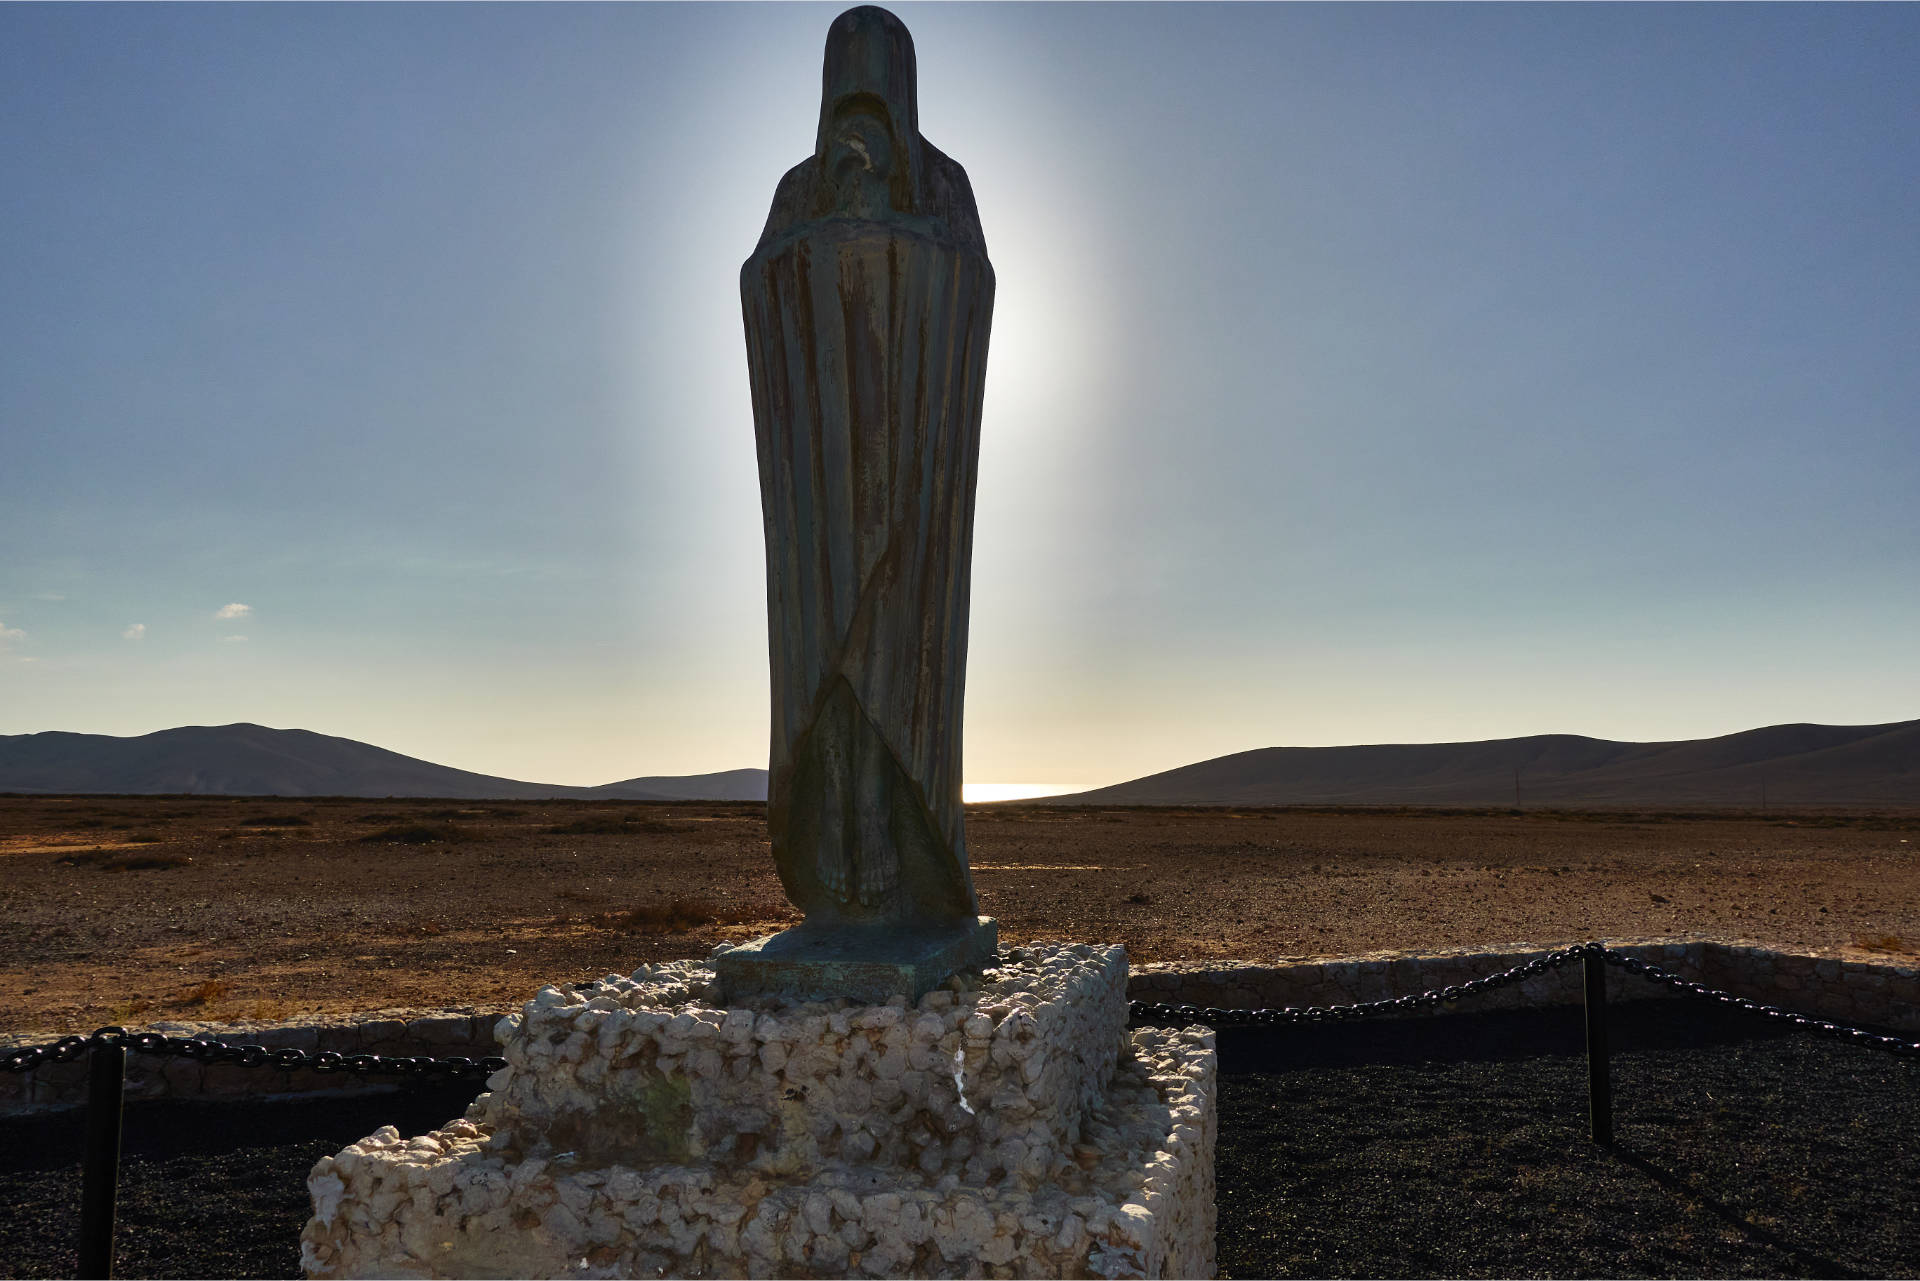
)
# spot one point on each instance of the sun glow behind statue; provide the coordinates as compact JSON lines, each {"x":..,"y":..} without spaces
{"x":1305,"y":420}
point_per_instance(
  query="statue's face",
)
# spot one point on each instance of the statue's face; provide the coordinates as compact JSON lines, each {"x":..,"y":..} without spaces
{"x":860,"y":154}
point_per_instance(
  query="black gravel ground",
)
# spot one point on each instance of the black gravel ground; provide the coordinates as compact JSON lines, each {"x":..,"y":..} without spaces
{"x":1453,"y":1146}
{"x":1458,"y":1147}
{"x":206,"y":1189}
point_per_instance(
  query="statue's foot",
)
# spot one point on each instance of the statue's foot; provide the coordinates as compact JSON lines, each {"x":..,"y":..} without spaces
{"x":876,"y":861}
{"x":835,"y":860}
{"x":879,"y":877}
{"x":836,"y":869}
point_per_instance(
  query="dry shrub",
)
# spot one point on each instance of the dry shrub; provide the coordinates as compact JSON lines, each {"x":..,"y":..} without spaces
{"x":125,"y":1012}
{"x":677,"y":916}
{"x":420,"y":834}
{"x":1880,"y":943}
{"x":108,"y":861}
{"x":147,"y":863}
{"x":205,"y":993}
{"x":622,"y":825}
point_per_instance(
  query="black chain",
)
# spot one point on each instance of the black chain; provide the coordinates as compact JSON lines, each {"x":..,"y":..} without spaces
{"x":1214,"y":1016}
{"x":68,"y":1048}
{"x":1819,"y":1027}
{"x":28,"y":1057}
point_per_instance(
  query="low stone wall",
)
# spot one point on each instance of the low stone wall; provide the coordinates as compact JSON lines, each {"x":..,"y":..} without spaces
{"x":1851,"y":989}
{"x":1846,"y":989}
{"x":464,"y":1031}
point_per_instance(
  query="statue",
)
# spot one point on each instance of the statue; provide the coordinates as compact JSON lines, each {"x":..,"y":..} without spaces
{"x":867,"y":304}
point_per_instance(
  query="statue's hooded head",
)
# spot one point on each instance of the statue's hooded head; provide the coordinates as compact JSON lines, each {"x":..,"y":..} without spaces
{"x":869,"y":115}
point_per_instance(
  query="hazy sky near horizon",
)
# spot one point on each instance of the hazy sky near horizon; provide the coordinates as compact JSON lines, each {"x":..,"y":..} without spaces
{"x":1358,"y":374}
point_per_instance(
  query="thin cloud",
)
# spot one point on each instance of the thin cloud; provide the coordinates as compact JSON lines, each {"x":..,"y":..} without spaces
{"x":235,"y":610}
{"x":8,"y":635}
{"x":137,"y":631}
{"x":233,"y":640}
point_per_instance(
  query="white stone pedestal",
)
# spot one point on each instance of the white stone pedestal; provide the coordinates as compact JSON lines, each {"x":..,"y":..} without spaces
{"x":1016,"y":1128}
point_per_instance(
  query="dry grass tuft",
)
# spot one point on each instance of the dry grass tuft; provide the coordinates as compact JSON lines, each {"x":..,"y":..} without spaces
{"x":1880,"y":943}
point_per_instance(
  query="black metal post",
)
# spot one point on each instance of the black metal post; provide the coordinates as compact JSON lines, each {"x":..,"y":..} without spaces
{"x":1599,"y":1087}
{"x":100,"y":1176}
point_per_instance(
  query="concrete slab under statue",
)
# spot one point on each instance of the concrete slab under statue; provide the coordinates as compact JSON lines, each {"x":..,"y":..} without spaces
{"x":868,"y":963}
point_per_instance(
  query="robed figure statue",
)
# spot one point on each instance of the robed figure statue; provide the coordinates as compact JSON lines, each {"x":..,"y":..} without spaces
{"x":867,"y":306}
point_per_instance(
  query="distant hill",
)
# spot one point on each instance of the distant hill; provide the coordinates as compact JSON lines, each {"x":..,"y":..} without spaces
{"x":1838,"y":765}
{"x":252,"y":760}
{"x":727,"y":785}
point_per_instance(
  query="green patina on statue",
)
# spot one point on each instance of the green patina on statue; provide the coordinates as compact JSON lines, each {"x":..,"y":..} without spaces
{"x":867,"y":304}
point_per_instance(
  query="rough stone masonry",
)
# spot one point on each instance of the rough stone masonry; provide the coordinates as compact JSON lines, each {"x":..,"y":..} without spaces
{"x":1011,"y":1126}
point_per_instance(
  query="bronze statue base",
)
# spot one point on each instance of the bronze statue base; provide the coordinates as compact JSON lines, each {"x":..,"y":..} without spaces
{"x":869,"y":964}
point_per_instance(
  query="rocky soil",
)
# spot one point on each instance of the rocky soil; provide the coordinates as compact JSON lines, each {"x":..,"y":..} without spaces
{"x":132,"y":909}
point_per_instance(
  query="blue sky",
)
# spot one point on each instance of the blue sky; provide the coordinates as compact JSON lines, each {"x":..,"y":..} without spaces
{"x":1359,"y":374}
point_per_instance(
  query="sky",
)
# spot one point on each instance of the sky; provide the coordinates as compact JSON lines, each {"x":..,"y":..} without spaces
{"x":1358,"y":373}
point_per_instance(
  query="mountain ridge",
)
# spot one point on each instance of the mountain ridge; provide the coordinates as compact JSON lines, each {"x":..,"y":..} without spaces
{"x":1796,"y":764}
{"x":244,"y":759}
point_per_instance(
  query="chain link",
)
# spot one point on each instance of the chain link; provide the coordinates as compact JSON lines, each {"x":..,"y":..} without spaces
{"x":1214,"y":1016}
{"x":206,"y":1050}
{"x":1819,"y":1027}
{"x":68,"y":1048}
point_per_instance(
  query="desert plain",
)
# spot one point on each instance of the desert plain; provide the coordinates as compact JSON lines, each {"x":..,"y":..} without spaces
{"x":139,"y":909}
